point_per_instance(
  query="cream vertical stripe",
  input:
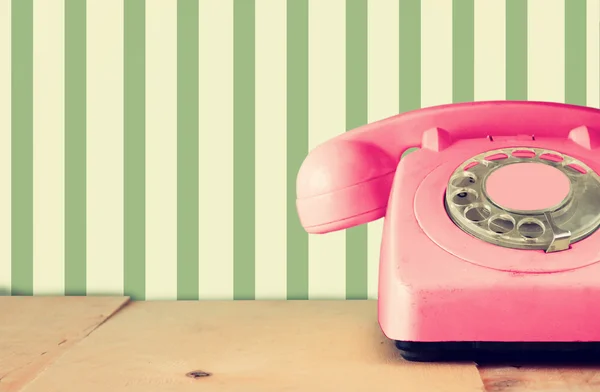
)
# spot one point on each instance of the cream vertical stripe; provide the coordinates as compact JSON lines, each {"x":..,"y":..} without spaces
{"x":593,"y":53}
{"x":436,"y":52}
{"x":383,"y":98}
{"x":48,"y":147}
{"x":5,"y":143}
{"x":326,"y":108}
{"x":216,"y":149}
{"x":490,"y":50}
{"x":161,"y":150}
{"x":546,"y":51}
{"x":270,"y":149}
{"x":105,"y":147}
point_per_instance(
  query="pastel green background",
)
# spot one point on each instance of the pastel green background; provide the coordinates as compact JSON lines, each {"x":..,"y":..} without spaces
{"x":151,"y":147}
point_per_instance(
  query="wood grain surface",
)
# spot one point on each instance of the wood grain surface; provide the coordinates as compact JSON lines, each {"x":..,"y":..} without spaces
{"x":47,"y":345}
{"x":247,"y":346}
{"x":34,"y":332}
{"x":541,"y":378}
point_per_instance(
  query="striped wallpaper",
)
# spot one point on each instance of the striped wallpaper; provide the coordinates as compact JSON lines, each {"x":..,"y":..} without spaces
{"x":151,"y":147}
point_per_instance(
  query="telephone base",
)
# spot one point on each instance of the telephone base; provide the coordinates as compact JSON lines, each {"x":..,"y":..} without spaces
{"x":500,"y":352}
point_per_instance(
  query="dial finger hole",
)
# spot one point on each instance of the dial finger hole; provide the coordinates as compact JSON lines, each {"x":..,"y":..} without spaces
{"x":477,"y":213}
{"x":531,"y":229}
{"x":470,"y":165}
{"x":464,"y":179}
{"x":464,"y":197}
{"x":576,"y":169}
{"x":496,"y":157}
{"x":551,"y":157}
{"x":502,"y":224}
{"x":523,"y":154}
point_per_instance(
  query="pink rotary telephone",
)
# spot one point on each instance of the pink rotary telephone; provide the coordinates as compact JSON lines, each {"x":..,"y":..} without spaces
{"x":490,"y":241}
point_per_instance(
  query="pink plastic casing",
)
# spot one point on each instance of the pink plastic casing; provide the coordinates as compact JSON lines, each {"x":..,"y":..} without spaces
{"x":437,"y":283}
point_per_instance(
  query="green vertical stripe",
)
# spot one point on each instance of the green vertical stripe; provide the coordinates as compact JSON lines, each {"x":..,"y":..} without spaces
{"x":410,"y":55}
{"x":187,"y":149}
{"x":516,"y":49}
{"x":356,"y":115}
{"x":463,"y":58}
{"x":134,"y":146}
{"x":410,"y":58}
{"x":297,"y":143}
{"x":22,"y":147}
{"x":243,"y":150}
{"x":75,"y":147}
{"x":575,"y":52}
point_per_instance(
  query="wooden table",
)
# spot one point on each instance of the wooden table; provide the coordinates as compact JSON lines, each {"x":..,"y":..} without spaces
{"x":94,"y":344}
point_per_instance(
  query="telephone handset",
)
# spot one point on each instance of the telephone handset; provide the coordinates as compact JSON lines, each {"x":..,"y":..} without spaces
{"x":481,"y":223}
{"x":346,"y":181}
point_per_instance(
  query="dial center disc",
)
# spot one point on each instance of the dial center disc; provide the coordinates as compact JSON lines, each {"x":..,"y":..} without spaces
{"x":527,"y":186}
